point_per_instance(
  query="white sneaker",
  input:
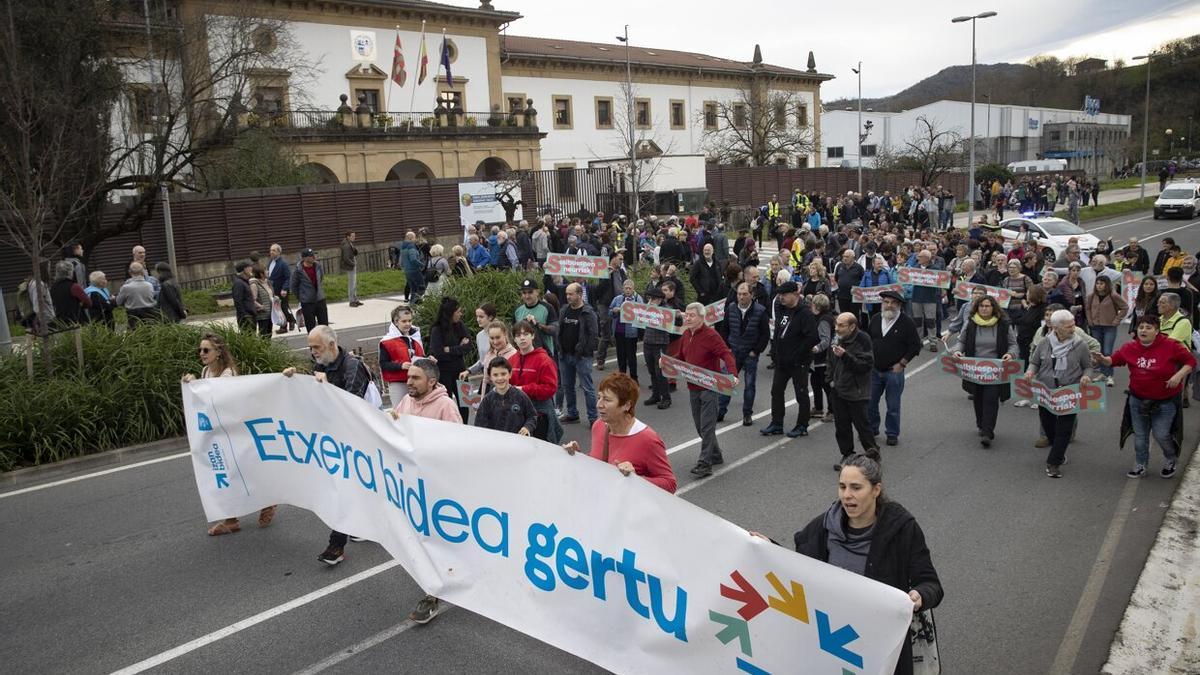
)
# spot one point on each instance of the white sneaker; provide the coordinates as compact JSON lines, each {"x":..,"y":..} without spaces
{"x":1021,"y":403}
{"x":1110,"y":380}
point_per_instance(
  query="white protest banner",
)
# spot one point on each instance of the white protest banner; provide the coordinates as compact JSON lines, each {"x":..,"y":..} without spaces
{"x":963,"y":290}
{"x":870,"y":295}
{"x":1068,"y":400}
{"x":981,"y":370}
{"x":714,"y":313}
{"x":594,"y":267}
{"x":468,"y":395}
{"x":919,"y":276}
{"x":484,"y":200}
{"x":563,"y":548}
{"x":642,"y":315}
{"x":722,"y":383}
{"x":1131,"y":283}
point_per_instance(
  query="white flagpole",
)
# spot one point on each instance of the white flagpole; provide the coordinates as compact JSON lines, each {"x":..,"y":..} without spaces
{"x":413,"y":97}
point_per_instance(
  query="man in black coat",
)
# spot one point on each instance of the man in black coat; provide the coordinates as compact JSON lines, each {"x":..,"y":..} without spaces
{"x":792,"y":343}
{"x":895,"y":343}
{"x":851,"y":360}
{"x":1136,"y":257}
{"x":707,"y":278}
{"x":243,"y":297}
{"x":848,"y":274}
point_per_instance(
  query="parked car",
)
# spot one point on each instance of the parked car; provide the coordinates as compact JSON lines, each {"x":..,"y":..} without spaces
{"x":1048,"y":233}
{"x":1178,"y":199}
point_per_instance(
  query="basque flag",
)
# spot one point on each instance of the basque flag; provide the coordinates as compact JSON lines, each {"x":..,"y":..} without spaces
{"x":398,"y":74}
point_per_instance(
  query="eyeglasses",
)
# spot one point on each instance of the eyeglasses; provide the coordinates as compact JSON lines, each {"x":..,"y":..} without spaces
{"x":204,"y":350}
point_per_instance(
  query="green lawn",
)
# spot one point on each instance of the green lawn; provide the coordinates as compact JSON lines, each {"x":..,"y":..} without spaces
{"x":383,"y":282}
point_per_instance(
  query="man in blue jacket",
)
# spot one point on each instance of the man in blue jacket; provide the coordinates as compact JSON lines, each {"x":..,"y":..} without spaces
{"x":280,"y":275}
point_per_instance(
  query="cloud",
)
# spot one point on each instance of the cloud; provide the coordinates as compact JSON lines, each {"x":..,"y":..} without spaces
{"x":897,"y":44}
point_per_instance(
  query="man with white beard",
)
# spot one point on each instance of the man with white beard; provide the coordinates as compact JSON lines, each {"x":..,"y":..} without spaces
{"x":895,"y":343}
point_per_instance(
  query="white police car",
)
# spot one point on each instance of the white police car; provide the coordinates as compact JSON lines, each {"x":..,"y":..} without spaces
{"x":1048,"y":233}
{"x":1178,"y":199}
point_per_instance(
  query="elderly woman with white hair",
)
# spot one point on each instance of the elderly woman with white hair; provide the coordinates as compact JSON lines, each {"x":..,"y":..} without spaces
{"x":1062,"y":359}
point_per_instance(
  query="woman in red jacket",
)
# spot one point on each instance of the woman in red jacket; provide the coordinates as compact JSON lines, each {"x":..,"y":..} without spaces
{"x":535,"y":373}
{"x":620,"y":439}
{"x":1158,"y":370}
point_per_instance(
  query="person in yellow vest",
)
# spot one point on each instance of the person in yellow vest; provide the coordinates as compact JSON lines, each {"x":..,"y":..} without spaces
{"x":773,"y":220}
{"x":799,"y":208}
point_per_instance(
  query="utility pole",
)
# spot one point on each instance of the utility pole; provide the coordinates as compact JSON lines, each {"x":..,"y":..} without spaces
{"x":858,"y":72}
{"x":1145,"y":121}
{"x":971,"y":170}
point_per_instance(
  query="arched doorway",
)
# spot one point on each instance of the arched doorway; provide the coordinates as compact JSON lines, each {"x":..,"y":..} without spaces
{"x":409,"y":169}
{"x":324,"y":175}
{"x":492,"y":168}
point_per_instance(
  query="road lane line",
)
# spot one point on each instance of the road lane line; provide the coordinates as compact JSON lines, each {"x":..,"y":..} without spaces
{"x":360,"y":647}
{"x":1068,"y":650}
{"x":1123,"y":222}
{"x":105,"y":472}
{"x":171,"y":654}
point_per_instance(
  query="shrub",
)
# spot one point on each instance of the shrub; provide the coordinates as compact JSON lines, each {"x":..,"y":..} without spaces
{"x":126,"y":393}
{"x":497,"y":287}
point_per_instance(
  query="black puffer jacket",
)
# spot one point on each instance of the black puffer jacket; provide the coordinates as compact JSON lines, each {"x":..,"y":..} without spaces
{"x":850,"y":374}
{"x":898,"y":558}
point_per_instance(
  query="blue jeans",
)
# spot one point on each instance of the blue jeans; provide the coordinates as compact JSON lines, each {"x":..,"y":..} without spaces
{"x":890,"y":385}
{"x":581,"y":367}
{"x":748,"y":367}
{"x":1107,"y":335}
{"x":1159,"y":423}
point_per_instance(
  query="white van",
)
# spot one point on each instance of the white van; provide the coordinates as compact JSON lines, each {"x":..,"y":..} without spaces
{"x":1038,"y":166}
{"x":1178,"y":199}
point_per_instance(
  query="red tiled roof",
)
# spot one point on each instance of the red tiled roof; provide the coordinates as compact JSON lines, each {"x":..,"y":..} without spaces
{"x":517,"y":45}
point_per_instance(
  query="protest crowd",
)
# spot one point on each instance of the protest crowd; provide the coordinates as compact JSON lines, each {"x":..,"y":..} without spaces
{"x":859,"y":287}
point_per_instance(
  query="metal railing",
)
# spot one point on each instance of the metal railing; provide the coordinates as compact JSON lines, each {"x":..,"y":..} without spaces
{"x":332,"y":121}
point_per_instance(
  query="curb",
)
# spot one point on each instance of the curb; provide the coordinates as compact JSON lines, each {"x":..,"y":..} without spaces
{"x":1158,"y":631}
{"x":108,"y":458}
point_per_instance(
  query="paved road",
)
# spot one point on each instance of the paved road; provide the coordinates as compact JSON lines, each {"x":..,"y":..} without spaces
{"x":112,"y":570}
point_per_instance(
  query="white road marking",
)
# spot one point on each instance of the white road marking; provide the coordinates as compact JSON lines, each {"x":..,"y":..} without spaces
{"x":1123,"y":222}
{"x":360,"y":647}
{"x":1068,"y":650}
{"x":176,"y":652}
{"x":95,"y":474}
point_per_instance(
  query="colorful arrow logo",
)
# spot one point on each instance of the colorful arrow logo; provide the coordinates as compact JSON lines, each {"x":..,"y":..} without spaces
{"x":734,"y":628}
{"x":793,"y":604}
{"x":222,"y":481}
{"x":752,"y":602}
{"x":835,"y":642}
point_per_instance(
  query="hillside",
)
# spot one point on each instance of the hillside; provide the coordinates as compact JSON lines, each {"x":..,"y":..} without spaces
{"x":1175,"y":91}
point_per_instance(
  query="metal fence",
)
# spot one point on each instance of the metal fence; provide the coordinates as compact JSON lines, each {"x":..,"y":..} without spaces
{"x":559,"y":192}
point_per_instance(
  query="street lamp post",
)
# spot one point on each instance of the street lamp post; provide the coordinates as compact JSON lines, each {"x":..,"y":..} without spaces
{"x":633,"y":197}
{"x":971,"y":166}
{"x":1145,"y":121}
{"x":1170,"y":144}
{"x":988,"y":132}
{"x":858,"y":72}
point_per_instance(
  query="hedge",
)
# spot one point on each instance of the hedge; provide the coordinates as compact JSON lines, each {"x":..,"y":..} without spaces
{"x":126,"y":393}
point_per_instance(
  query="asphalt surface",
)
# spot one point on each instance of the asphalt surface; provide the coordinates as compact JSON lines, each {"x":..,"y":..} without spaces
{"x":111,"y":570}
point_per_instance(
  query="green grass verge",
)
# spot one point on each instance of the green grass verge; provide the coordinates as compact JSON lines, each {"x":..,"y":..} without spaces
{"x":1114,"y":209}
{"x":383,"y":282}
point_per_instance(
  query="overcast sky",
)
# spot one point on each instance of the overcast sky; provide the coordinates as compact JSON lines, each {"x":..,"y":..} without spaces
{"x":897,"y":45}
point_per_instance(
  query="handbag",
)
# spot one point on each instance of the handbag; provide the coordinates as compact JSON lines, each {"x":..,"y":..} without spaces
{"x":277,"y":317}
{"x":923,"y":632}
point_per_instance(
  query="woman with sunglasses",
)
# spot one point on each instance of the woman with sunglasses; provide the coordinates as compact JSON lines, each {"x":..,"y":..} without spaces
{"x":218,"y":362}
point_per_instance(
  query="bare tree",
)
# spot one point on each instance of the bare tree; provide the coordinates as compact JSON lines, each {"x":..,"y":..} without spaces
{"x":647,"y":144}
{"x":757,"y":128}
{"x":52,"y":150}
{"x":186,"y":95}
{"x":930,"y":150}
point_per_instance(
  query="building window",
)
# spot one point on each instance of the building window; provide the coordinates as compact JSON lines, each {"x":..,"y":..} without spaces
{"x":802,"y":115}
{"x":371,"y":98}
{"x":514,"y":102}
{"x":1055,"y":135}
{"x":565,"y":175}
{"x":867,"y":150}
{"x":677,"y":120}
{"x":451,"y":98}
{"x":604,"y":112}
{"x":641,"y":109}
{"x":149,"y":102}
{"x":710,"y":116}
{"x":835,"y":152}
{"x":781,"y":114}
{"x":563,"y":118}
{"x":739,"y":115}
{"x":781,"y":161}
{"x":1070,"y":134}
{"x":268,"y":99}
{"x":802,"y":161}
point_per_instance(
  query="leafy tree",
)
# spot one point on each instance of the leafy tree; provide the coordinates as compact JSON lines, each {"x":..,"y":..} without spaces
{"x":257,"y":159}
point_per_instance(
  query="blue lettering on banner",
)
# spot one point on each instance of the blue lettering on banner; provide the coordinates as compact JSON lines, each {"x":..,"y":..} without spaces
{"x":222,"y":481}
{"x":203,"y":423}
{"x":571,"y":568}
{"x":450,"y":520}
